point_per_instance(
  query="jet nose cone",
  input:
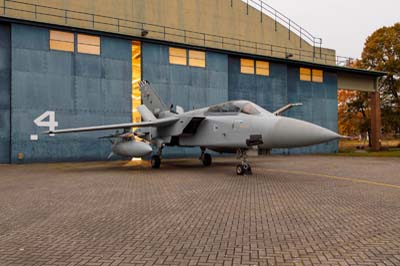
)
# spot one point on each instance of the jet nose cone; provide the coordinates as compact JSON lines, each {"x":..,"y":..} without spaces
{"x":289,"y":132}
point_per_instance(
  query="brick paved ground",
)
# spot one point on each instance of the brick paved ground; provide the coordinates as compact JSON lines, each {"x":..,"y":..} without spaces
{"x":293,"y":211}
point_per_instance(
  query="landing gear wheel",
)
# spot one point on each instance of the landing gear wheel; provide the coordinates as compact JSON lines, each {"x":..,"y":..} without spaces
{"x":207,"y":160}
{"x":240,"y":170}
{"x":155,"y":162}
{"x":247,"y":168}
{"x":243,"y":169}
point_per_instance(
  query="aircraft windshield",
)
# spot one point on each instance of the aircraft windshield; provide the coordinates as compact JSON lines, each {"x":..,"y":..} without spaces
{"x":249,"y":109}
{"x":228,"y":107}
{"x":234,"y":107}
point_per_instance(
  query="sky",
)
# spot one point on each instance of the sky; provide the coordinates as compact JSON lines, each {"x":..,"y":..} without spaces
{"x":343,"y":25}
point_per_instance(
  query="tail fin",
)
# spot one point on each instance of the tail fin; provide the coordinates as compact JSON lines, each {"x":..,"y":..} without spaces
{"x":150,"y":98}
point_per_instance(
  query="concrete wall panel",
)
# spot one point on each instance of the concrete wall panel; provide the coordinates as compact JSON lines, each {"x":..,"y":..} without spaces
{"x":231,"y":19}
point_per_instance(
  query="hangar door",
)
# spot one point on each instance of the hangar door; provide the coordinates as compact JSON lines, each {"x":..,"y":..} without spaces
{"x":5,"y":102}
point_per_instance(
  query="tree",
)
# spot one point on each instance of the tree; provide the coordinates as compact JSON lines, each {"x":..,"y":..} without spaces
{"x":353,"y":112}
{"x":382,"y":53}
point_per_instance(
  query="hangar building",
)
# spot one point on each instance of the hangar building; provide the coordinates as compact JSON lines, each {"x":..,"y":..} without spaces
{"x":77,"y":63}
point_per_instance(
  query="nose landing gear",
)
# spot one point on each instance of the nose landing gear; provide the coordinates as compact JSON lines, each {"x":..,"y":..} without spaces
{"x":244,"y":168}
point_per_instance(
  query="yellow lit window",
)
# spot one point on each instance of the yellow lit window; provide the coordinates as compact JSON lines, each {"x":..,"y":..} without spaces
{"x":61,"y":41}
{"x":88,"y":44}
{"x":262,"y":68}
{"x":177,"y":56}
{"x":317,"y":76}
{"x":197,"y":58}
{"x":305,"y":74}
{"x":246,"y":66}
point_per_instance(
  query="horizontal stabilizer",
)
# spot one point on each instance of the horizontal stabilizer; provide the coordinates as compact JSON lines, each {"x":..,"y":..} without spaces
{"x":146,"y":114}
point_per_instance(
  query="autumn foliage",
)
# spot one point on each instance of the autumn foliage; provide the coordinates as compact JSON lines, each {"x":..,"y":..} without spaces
{"x":381,"y":53}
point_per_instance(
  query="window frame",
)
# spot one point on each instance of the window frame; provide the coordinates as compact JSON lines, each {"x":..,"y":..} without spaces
{"x":191,"y":59}
{"x":312,"y":76}
{"x":244,"y":67}
{"x":317,"y":78}
{"x":303,"y":74}
{"x":53,"y":40}
{"x":258,"y":69}
{"x":172,"y":56}
{"x":82,"y":43}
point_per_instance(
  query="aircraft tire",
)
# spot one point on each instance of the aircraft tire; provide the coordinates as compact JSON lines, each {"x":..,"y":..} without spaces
{"x":155,"y":162}
{"x":240,"y":170}
{"x":207,"y":159}
{"x":247,"y":168}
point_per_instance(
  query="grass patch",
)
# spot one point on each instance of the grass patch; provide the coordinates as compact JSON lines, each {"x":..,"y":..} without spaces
{"x":391,"y":153}
{"x":391,"y":148}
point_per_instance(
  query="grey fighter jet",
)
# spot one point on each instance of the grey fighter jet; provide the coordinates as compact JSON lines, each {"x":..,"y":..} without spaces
{"x":230,"y":127}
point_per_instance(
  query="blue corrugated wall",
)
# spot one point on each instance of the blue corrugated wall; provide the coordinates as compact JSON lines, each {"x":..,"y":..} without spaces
{"x":93,"y":90}
{"x":319,"y":106}
{"x":186,"y":86}
{"x":269,"y":92}
{"x":221,"y":80}
{"x":5,"y":64}
{"x":82,"y":89}
{"x":283,"y":86}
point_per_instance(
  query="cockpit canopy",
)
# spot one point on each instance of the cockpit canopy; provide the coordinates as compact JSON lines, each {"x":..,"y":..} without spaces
{"x":234,"y":107}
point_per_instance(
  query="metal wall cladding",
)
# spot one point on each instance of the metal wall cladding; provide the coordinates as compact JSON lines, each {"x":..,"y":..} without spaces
{"x":5,"y":65}
{"x":221,"y":80}
{"x":186,"y":86}
{"x":319,"y":107}
{"x":268,"y":92}
{"x":283,"y":86}
{"x":82,"y":89}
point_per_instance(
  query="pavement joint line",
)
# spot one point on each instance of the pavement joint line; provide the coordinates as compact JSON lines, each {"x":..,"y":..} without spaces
{"x":354,"y":180}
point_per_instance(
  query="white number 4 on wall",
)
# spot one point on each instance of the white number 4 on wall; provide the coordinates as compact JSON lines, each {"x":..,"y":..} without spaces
{"x":51,"y":123}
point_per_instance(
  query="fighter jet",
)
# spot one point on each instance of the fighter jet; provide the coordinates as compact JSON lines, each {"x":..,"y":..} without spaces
{"x":229,"y":127}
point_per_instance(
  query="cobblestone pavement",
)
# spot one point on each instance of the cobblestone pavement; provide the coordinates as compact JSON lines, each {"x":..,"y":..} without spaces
{"x":297,"y":210}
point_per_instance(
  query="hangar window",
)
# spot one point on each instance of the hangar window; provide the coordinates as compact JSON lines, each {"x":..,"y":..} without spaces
{"x":177,"y":56}
{"x":197,"y":58}
{"x":88,"y":44}
{"x":317,"y":76}
{"x":61,"y":41}
{"x":314,"y":75}
{"x":262,"y":68}
{"x":246,"y":66}
{"x":305,"y":74}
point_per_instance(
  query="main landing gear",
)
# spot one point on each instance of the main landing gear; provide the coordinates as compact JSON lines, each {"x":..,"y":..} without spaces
{"x":205,"y":157}
{"x":156,"y":159}
{"x":244,"y":168}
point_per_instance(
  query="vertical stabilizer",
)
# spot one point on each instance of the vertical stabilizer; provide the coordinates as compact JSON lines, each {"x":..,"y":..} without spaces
{"x":150,"y":98}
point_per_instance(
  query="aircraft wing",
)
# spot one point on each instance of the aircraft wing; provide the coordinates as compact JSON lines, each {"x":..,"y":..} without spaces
{"x":156,"y":123}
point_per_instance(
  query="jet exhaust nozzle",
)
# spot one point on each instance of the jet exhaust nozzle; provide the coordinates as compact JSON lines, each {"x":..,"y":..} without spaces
{"x":132,"y":149}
